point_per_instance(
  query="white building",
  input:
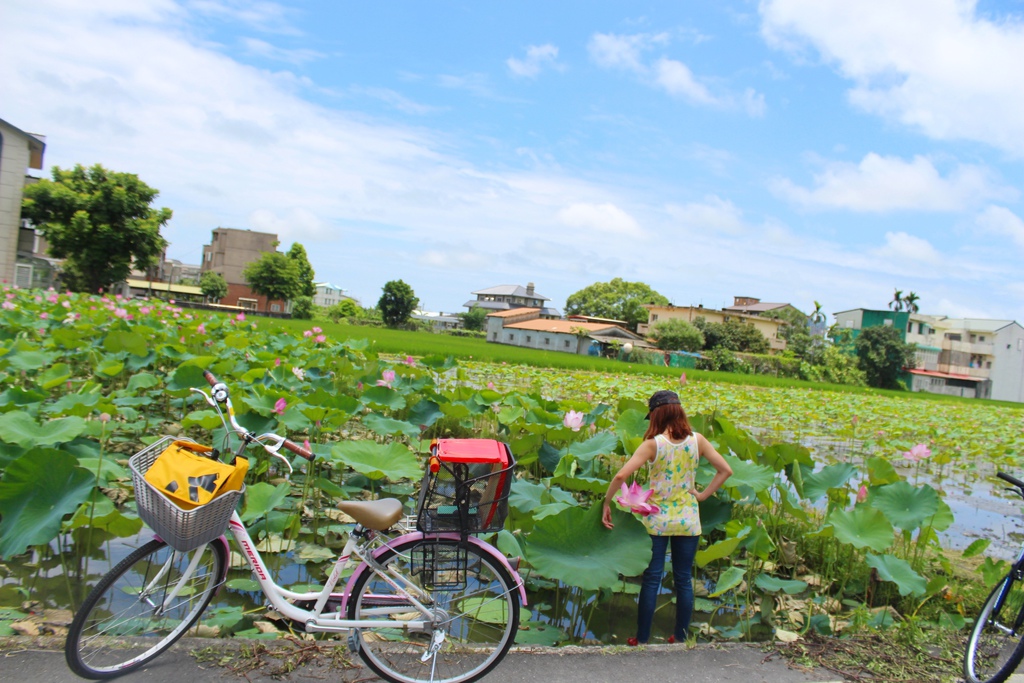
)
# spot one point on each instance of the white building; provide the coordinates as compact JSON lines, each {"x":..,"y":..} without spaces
{"x":328,"y":295}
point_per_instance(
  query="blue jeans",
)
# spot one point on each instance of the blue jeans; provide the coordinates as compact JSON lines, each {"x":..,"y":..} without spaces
{"x":684,"y":549}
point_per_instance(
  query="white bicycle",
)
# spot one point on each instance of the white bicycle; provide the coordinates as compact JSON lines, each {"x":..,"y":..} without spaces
{"x":429,"y":602}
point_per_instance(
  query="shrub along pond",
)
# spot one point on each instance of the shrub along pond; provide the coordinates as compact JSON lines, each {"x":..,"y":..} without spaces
{"x":833,"y":520}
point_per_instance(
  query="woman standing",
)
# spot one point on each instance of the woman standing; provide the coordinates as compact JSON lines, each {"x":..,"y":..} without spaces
{"x":673,"y":450}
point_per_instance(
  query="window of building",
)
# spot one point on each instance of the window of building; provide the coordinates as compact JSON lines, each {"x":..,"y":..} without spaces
{"x":528,"y":339}
{"x":510,"y":336}
{"x":988,"y":365}
{"x":23,"y":276}
{"x":981,"y":339}
{"x":910,"y":328}
{"x":566,"y":343}
{"x":547,"y":341}
{"x":953,"y":336}
{"x":887,"y":322}
{"x":654,"y":316}
{"x":247,"y":304}
{"x":276,"y":308}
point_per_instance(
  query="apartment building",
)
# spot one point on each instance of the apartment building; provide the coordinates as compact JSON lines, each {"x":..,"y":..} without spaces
{"x":507,"y":297}
{"x":768,"y":327}
{"x":229,"y":252}
{"x":19,"y":152}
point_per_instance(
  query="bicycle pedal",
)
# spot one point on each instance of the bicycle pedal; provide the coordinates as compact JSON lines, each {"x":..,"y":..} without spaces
{"x":353,"y":643}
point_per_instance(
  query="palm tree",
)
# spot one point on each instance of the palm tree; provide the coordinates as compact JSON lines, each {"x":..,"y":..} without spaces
{"x":897,"y":301}
{"x":817,"y":316}
{"x":910,"y":301}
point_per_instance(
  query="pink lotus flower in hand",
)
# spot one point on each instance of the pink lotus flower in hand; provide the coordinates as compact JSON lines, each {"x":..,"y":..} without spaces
{"x":280,"y":406}
{"x":635,"y":498}
{"x":917,"y":453}
{"x":574,"y":420}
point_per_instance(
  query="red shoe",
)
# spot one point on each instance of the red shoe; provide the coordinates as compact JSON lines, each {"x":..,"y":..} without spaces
{"x":632,"y":642}
{"x":671,"y":640}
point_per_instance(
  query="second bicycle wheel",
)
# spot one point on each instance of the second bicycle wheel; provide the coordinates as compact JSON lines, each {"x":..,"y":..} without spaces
{"x":141,"y":607}
{"x":995,"y":649}
{"x":474,"y":601}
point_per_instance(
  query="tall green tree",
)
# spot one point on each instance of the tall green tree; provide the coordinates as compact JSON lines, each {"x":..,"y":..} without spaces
{"x":214,"y":285}
{"x":99,"y":221}
{"x":298,"y":254}
{"x":676,"y":334}
{"x":397,"y":303}
{"x":897,"y":300}
{"x":475,"y":318}
{"x":617,"y":299}
{"x":274,"y":276}
{"x":883,"y":355}
{"x":910,"y":302}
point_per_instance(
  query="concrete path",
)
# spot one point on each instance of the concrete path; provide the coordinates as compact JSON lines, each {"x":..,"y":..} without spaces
{"x":203,"y":661}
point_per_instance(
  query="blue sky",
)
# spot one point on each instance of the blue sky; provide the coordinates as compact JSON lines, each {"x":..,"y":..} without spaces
{"x":791,"y":150}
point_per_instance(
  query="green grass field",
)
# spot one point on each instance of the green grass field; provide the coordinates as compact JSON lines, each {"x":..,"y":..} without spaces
{"x":404,"y":342}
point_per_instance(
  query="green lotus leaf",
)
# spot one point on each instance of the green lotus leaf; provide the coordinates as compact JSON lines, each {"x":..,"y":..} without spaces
{"x":569,"y":476}
{"x":527,"y":497}
{"x":630,"y":429}
{"x":424,"y":414}
{"x":904,"y":505}
{"x":773,"y":584}
{"x":509,"y":415}
{"x":601,"y":443}
{"x":714,"y":512}
{"x":942,"y":519}
{"x":835,"y":476}
{"x":187,"y":376}
{"x":74,"y":404}
{"x":778,"y":455}
{"x":21,"y":428}
{"x":729,"y":579}
{"x":862,"y":527}
{"x":717,"y":551}
{"x":392,"y":461}
{"x":977,"y":547}
{"x":110,"y":367}
{"x":29,"y":360}
{"x":383,"y":397}
{"x":550,"y":456}
{"x":207,"y":419}
{"x":122,"y":340}
{"x":54,"y":376}
{"x":881,"y":472}
{"x":36,"y":491}
{"x":17,"y":396}
{"x":575,"y":548}
{"x":539,"y":633}
{"x":261,"y":498}
{"x":385,"y":426}
{"x":745,"y":473}
{"x":143,"y":380}
{"x":892,"y":568}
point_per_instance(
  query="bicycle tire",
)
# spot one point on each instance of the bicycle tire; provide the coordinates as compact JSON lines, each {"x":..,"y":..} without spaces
{"x":116,"y":630}
{"x":482,"y":616}
{"x":992,"y":654}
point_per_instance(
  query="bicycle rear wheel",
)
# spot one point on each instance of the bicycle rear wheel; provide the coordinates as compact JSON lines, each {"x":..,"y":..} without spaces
{"x":473,"y":598}
{"x":995,"y":648}
{"x":130,"y":617}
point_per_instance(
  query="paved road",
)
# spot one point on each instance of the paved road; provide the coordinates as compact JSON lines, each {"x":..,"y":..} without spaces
{"x":27,"y":661}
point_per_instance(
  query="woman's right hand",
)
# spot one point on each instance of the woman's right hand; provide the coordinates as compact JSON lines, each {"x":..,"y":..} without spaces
{"x":606,"y":516}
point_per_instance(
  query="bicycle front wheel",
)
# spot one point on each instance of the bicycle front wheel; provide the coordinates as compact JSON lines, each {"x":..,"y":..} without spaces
{"x":141,"y":607}
{"x":474,"y":604}
{"x":995,"y":649}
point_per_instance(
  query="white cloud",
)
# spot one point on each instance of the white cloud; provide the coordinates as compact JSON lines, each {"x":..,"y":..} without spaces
{"x":262,"y":48}
{"x":935,"y":65}
{"x":999,"y":220}
{"x":605,"y":218}
{"x":537,"y":57}
{"x":901,"y":247}
{"x":881,"y":183}
{"x":714,"y":215}
{"x":626,"y":52}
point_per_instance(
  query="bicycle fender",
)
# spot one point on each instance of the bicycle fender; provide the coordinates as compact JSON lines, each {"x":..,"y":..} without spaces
{"x":417,"y":535}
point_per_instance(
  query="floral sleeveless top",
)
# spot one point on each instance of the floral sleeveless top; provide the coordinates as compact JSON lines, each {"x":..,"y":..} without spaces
{"x":671,"y":478}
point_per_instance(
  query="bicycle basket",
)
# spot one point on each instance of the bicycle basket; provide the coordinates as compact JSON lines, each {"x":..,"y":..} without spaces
{"x":440,"y":566}
{"x":181,"y":529}
{"x":466,"y":486}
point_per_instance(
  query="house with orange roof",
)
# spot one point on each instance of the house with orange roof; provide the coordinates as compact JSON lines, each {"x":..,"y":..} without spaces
{"x":526,"y":327}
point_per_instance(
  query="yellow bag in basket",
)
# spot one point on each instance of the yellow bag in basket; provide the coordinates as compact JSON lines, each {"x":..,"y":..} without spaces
{"x":190,"y":480}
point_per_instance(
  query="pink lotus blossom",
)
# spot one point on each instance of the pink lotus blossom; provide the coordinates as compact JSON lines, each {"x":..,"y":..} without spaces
{"x":321,"y":338}
{"x":635,"y":498}
{"x":410,"y":361}
{"x":52,"y":298}
{"x":305,"y":444}
{"x":280,"y":406}
{"x":862,"y":493}
{"x":359,"y":386}
{"x":388,"y":377}
{"x":317,"y":330}
{"x":299,"y":373}
{"x":573,"y":420}
{"x":240,"y":317}
{"x":307,"y":333}
{"x":171,"y":302}
{"x":917,"y":453}
{"x":8,"y":306}
{"x":120,"y":313}
{"x":182,"y":340}
{"x":201,"y":329}
{"x":44,"y":315}
{"x":104,"y":417}
{"x":277,"y":362}
{"x":65,"y":304}
{"x":490,"y":385}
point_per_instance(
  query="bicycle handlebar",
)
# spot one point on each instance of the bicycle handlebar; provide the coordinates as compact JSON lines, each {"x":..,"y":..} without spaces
{"x":285,"y":443}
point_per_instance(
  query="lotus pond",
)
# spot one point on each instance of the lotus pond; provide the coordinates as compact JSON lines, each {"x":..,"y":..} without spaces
{"x":841,"y":514}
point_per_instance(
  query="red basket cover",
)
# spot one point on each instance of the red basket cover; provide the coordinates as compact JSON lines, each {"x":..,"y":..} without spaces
{"x":471,"y":451}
